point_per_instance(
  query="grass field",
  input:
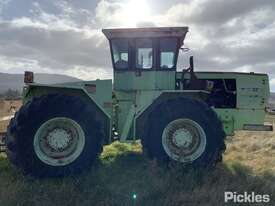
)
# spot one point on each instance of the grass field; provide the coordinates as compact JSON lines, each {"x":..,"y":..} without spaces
{"x":122,"y":170}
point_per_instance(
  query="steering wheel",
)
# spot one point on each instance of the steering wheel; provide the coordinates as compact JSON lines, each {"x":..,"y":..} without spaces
{"x":121,"y":64}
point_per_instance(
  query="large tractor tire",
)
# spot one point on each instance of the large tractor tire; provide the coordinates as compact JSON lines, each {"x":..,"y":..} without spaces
{"x":54,"y":135}
{"x":184,"y":130}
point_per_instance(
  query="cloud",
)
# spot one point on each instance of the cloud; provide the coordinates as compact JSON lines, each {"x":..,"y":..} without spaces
{"x":3,"y":4}
{"x":64,"y":46}
{"x":214,"y":12}
{"x":51,"y":43}
{"x":221,"y":11}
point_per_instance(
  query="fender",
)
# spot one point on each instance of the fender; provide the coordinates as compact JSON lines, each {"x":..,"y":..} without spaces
{"x":92,"y":93}
{"x":162,"y":96}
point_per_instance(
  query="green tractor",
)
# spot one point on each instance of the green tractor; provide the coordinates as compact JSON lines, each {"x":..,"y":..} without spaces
{"x":179,"y":116}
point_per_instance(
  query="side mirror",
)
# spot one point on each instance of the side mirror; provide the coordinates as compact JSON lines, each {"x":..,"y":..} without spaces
{"x":184,"y":49}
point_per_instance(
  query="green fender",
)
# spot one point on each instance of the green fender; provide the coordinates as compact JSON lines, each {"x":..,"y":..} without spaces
{"x":98,"y":93}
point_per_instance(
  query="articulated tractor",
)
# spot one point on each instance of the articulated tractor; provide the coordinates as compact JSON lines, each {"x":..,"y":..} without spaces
{"x":178,"y":114}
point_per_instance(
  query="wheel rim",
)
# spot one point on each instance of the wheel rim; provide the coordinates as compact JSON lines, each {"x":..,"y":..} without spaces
{"x":184,"y":140}
{"x":59,"y":141}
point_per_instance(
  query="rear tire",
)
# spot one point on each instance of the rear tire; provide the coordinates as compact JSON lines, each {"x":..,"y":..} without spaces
{"x":54,"y":135}
{"x":184,"y":130}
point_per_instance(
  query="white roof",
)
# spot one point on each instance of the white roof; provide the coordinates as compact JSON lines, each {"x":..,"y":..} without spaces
{"x":179,"y":32}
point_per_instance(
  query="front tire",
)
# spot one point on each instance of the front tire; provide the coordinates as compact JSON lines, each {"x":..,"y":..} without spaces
{"x":186,"y":131}
{"x":54,"y":135}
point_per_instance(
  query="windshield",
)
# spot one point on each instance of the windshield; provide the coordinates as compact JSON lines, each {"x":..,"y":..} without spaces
{"x":144,"y":50}
{"x":120,"y":50}
{"x":144,"y":53}
{"x":168,"y":49}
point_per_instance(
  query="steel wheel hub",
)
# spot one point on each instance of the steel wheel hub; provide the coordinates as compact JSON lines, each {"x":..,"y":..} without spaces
{"x":59,"y":141}
{"x":184,"y":140}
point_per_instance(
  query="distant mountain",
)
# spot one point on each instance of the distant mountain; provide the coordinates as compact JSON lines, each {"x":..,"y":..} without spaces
{"x":16,"y":81}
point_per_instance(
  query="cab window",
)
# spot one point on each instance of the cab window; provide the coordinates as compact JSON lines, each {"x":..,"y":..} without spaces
{"x":144,"y":54}
{"x":168,"y":49}
{"x":120,"y":52}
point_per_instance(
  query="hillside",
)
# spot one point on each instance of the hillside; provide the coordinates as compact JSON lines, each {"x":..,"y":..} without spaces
{"x":16,"y":81}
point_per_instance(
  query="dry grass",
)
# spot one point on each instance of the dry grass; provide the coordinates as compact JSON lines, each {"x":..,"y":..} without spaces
{"x":9,"y":107}
{"x":255,"y":150}
{"x":122,"y":170}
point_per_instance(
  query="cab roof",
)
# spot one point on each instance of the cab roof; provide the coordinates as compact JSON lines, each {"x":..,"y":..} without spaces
{"x":147,"y":32}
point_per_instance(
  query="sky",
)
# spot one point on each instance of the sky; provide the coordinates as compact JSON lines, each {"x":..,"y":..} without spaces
{"x":64,"y":36}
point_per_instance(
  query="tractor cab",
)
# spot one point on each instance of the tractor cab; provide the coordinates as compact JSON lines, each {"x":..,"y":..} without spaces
{"x":145,"y":58}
